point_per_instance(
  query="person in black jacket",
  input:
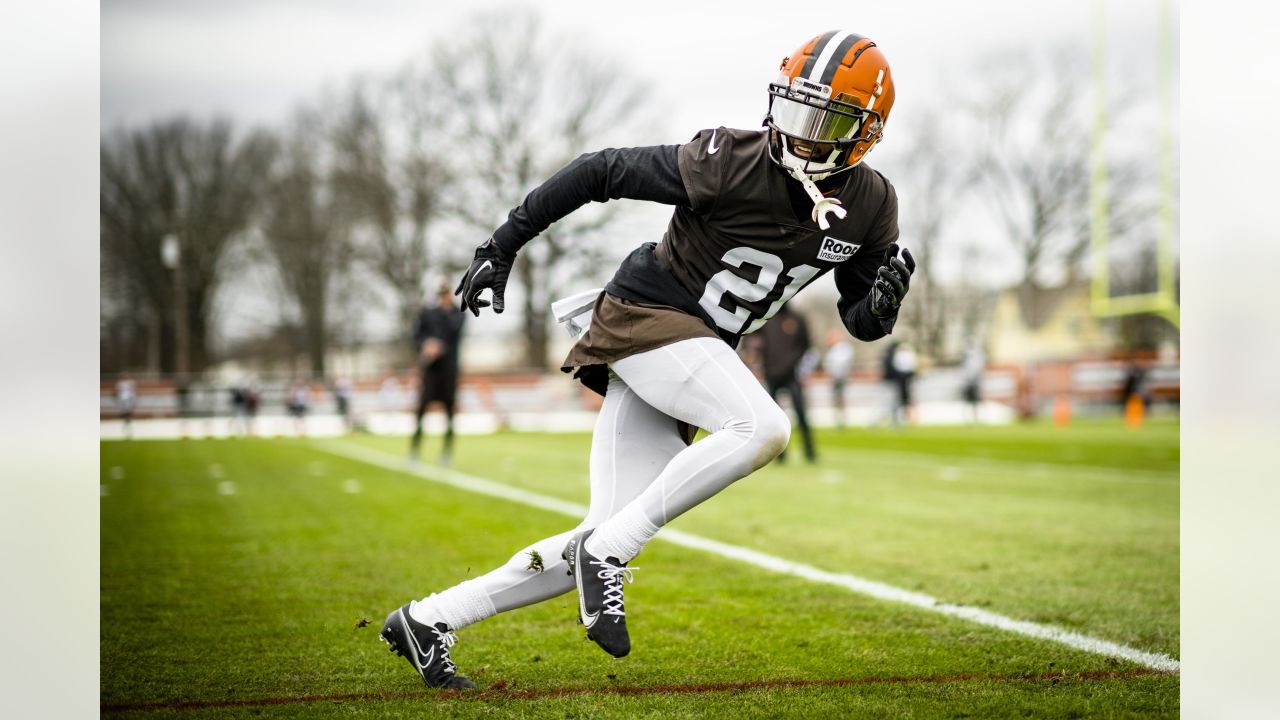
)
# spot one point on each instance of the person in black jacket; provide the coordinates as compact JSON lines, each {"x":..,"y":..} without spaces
{"x":784,"y":350}
{"x":436,"y":335}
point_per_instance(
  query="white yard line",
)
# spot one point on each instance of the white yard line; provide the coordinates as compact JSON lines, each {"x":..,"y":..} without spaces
{"x":878,"y":590}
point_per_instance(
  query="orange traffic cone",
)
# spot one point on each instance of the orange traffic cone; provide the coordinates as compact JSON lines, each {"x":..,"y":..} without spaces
{"x":1134,"y":411}
{"x":1062,"y":410}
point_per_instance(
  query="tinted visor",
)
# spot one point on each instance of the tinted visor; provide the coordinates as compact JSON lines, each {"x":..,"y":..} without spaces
{"x":812,"y":117}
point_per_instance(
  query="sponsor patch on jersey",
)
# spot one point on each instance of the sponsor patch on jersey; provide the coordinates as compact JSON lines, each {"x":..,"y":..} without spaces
{"x":834,"y":250}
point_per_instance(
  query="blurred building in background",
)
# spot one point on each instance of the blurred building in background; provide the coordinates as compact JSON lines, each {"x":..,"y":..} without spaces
{"x":1034,"y":324}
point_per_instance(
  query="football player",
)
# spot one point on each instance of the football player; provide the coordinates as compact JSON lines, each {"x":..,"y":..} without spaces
{"x":758,"y":216}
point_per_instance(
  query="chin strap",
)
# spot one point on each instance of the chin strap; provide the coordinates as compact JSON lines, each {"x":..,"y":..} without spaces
{"x":822,"y":206}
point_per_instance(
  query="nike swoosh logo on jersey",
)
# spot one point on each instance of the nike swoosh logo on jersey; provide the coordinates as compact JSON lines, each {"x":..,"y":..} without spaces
{"x":421,"y":659}
{"x":712,"y":148}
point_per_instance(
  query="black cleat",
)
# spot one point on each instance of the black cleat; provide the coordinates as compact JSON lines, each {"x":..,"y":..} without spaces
{"x":600,"y":595}
{"x":426,"y":647}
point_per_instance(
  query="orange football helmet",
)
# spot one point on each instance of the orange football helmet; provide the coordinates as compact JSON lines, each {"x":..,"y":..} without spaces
{"x":829,"y":105}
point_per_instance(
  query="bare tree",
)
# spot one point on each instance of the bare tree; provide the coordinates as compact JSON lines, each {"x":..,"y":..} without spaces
{"x":196,"y":181}
{"x":307,"y":233}
{"x":128,"y":328}
{"x":390,"y":184}
{"x":517,"y":105}
{"x":1033,"y":131}
{"x":933,"y":175}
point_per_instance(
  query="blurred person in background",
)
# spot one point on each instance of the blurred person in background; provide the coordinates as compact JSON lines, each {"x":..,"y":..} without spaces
{"x":889,"y":376}
{"x":389,"y":393}
{"x":298,"y":404}
{"x":1135,"y":385}
{"x":239,"y":410}
{"x":1134,"y":400}
{"x":904,"y":375}
{"x":783,"y":344}
{"x":182,"y":392}
{"x":342,"y":399}
{"x":252,"y":398}
{"x":437,"y":334}
{"x":838,"y":362}
{"x":759,"y":214}
{"x":974,"y":363}
{"x":127,"y":401}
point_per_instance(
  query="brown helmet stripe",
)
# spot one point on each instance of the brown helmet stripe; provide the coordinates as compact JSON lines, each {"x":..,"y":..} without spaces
{"x":837,"y":58}
{"x":815,"y":52}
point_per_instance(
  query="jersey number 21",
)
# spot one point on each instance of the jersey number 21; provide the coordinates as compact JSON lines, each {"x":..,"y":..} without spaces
{"x":741,"y":321}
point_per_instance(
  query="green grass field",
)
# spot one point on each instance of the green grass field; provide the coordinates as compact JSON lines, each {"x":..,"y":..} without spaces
{"x":235,"y":572}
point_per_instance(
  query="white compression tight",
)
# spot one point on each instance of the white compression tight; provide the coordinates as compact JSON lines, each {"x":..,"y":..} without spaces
{"x":642,"y":473}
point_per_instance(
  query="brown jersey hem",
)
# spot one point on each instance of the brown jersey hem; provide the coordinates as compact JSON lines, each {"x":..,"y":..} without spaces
{"x":621,"y":328}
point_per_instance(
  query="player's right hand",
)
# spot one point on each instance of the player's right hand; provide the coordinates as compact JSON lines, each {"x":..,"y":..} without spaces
{"x":489,"y":271}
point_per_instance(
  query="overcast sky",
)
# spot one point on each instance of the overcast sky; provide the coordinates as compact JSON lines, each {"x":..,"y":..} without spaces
{"x":254,"y":59}
{"x":708,"y":63}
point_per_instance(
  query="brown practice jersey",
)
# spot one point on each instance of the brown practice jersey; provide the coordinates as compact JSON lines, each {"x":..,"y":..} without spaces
{"x":740,"y":244}
{"x":744,"y":247}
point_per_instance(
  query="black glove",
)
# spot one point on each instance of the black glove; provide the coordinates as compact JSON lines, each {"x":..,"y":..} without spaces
{"x":892,"y":280}
{"x":489,"y":271}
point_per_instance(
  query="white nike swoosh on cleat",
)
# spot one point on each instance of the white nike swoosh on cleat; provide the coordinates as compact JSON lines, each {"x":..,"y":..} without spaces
{"x":421,"y":659}
{"x":712,"y":148}
{"x":588,"y":619}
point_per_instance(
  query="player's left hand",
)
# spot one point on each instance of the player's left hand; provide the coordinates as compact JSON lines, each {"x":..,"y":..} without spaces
{"x":892,"y":281}
{"x":489,"y":270}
